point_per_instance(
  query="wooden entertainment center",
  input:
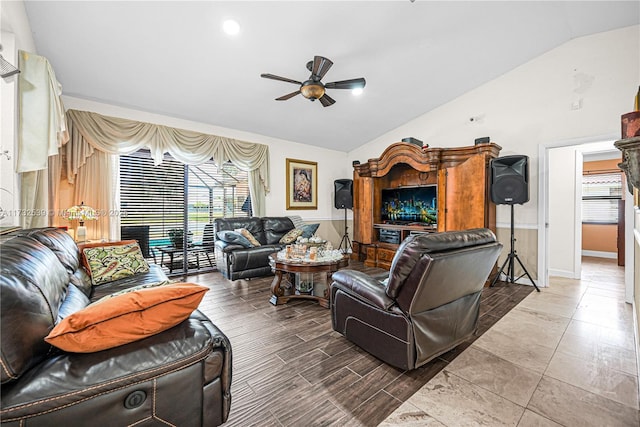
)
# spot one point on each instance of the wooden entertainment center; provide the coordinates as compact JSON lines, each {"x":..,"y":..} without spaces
{"x":461,"y":176}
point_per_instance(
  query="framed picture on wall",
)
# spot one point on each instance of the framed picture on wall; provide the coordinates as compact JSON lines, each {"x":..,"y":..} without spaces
{"x":302,"y":184}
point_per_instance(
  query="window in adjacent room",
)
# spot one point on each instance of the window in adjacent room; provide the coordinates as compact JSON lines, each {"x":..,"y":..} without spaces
{"x":601,"y":192}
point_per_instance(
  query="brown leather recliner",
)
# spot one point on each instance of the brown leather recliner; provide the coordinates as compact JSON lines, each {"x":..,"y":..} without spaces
{"x":428,"y":304}
{"x":180,"y":377}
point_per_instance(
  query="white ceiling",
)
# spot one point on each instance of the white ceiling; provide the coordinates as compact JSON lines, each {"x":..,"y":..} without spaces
{"x":171,"y":57}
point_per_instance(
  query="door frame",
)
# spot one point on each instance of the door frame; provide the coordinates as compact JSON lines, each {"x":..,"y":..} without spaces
{"x":543,"y":212}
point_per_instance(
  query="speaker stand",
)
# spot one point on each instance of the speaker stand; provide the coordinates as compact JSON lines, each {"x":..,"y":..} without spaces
{"x":513,"y":256}
{"x":346,"y":242}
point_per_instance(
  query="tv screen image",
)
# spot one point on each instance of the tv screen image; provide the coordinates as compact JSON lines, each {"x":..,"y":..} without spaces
{"x":407,"y":205}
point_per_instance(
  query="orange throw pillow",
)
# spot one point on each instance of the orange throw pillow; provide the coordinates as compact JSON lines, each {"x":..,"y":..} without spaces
{"x":125,"y":318}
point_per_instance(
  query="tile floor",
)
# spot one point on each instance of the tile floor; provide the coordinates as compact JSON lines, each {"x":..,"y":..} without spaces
{"x":563,"y":357}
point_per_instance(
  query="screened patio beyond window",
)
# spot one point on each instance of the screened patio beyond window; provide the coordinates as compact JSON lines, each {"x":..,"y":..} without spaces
{"x":169,"y":197}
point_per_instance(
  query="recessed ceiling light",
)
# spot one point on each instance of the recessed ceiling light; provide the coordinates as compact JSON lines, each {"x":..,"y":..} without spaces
{"x":357,"y":91}
{"x":231,"y":27}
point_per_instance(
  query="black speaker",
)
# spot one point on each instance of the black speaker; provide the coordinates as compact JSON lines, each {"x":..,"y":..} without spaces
{"x":412,"y":140}
{"x":510,"y":180}
{"x":343,"y":197}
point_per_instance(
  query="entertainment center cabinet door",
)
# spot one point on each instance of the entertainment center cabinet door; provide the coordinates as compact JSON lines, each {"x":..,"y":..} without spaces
{"x":380,"y":255}
{"x":363,"y":231}
{"x":466,"y":197}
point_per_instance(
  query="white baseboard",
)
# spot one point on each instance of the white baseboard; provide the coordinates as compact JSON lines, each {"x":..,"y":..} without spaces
{"x":562,"y":273}
{"x":600,"y":254}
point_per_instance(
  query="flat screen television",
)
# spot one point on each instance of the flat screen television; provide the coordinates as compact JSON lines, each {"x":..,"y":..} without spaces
{"x":407,"y":205}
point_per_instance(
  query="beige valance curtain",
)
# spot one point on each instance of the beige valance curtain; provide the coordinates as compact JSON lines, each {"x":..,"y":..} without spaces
{"x":122,"y":136}
{"x":81,"y":173}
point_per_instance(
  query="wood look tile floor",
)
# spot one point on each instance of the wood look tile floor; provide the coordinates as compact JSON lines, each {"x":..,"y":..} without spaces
{"x":291,"y":369}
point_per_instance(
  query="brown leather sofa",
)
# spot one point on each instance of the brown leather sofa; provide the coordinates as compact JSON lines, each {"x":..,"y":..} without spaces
{"x":238,"y":262}
{"x":428,"y":304}
{"x":179,"y":377}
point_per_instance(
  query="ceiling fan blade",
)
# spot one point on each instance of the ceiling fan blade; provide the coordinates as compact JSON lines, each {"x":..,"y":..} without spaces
{"x":290,"y":95}
{"x":320,"y":66}
{"x":347,"y":84}
{"x":326,"y":100}
{"x":282,"y":79}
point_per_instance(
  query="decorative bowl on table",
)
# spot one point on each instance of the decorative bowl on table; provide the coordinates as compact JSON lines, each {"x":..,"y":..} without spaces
{"x":311,"y":241}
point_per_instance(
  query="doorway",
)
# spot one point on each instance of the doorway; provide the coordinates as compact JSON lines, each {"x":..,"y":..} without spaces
{"x":571,"y":211}
{"x":603,"y":199}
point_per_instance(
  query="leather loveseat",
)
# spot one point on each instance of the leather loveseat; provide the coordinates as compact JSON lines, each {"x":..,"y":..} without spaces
{"x":235,"y":261}
{"x":180,"y":376}
{"x":428,"y":304}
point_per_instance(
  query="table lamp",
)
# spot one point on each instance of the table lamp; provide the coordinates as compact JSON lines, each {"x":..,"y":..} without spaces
{"x":82,"y":213}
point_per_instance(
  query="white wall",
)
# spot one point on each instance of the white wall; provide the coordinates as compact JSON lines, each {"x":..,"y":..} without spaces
{"x":533,"y":105}
{"x":332,"y":164}
{"x":13,"y":18}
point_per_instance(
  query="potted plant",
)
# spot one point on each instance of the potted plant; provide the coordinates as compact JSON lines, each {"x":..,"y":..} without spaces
{"x":176,"y":235}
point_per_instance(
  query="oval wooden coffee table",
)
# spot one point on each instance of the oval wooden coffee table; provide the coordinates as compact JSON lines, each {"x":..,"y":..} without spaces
{"x":288,"y":266}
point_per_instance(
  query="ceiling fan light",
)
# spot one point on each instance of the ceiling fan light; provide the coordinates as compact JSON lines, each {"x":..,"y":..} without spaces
{"x":312,"y":91}
{"x":357,"y":91}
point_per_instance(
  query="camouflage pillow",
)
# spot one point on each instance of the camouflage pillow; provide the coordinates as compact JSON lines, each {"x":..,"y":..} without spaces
{"x":109,"y":263}
{"x":291,"y":236}
{"x":247,"y":235}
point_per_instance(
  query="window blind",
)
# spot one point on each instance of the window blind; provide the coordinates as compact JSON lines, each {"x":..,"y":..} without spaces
{"x":155,"y":195}
{"x":600,"y":195}
{"x":152,"y":195}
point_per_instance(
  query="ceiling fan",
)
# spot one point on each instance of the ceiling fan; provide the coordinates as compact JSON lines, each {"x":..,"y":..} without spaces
{"x":313,"y":88}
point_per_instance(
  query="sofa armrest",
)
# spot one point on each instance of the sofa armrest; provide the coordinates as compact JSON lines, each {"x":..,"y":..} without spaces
{"x":247,"y":258}
{"x":227,"y":247}
{"x":183,"y":371}
{"x":363,"y":287}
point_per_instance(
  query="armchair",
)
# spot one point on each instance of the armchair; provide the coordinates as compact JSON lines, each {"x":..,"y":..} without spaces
{"x":428,"y":304}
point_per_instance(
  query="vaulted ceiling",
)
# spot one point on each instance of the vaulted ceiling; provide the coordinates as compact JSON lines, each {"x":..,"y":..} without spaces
{"x":172,"y":57}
